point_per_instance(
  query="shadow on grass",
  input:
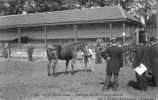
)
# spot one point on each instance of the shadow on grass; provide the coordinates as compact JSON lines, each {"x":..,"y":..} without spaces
{"x":71,"y":72}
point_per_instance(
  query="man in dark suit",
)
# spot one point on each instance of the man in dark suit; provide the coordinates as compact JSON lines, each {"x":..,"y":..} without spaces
{"x":114,"y":56}
{"x":154,"y":59}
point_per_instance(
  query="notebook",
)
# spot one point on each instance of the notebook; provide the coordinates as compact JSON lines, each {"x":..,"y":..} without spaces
{"x":140,"y":69}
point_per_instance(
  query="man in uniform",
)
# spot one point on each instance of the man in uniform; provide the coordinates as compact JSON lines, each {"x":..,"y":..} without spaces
{"x":114,"y":63}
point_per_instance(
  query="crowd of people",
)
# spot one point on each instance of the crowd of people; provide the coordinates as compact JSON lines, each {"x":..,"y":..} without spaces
{"x":145,"y":53}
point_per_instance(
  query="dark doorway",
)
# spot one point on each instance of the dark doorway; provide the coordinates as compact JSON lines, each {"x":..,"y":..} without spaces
{"x":142,"y":37}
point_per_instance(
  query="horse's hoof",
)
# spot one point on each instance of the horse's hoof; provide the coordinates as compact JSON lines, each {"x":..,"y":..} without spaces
{"x":53,"y":74}
{"x":49,"y":75}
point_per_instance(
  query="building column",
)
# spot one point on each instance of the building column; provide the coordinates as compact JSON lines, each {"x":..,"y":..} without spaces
{"x":45,"y":36}
{"x":110,"y":25}
{"x":137,"y":35}
{"x":124,"y":33}
{"x":75,"y":30}
{"x":157,"y":21}
{"x":19,"y":38}
{"x":123,"y":40}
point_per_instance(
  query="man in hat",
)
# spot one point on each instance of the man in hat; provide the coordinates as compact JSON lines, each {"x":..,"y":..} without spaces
{"x":114,"y":63}
{"x":154,"y":59}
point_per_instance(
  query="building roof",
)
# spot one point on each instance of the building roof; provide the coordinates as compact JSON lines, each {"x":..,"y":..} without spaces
{"x":77,"y":16}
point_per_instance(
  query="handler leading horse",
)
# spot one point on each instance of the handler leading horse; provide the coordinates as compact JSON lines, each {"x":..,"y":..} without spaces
{"x":63,"y":52}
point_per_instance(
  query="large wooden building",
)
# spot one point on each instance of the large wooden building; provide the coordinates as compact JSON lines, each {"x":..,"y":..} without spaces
{"x":79,"y":24}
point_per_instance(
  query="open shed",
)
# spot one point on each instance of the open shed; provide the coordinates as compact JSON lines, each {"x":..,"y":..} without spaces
{"x":79,"y":24}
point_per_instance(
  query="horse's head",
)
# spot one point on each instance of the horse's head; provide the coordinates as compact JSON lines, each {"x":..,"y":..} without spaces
{"x":79,"y":45}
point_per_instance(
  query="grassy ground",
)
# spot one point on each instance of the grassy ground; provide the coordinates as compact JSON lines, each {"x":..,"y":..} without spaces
{"x":26,"y":79}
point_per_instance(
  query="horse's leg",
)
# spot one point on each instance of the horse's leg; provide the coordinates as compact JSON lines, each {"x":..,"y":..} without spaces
{"x":73,"y":61}
{"x":54,"y":63}
{"x":48,"y":68}
{"x":86,"y":64}
{"x":67,"y":64}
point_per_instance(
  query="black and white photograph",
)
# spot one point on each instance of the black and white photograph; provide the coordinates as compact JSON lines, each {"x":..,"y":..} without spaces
{"x":78,"y":49}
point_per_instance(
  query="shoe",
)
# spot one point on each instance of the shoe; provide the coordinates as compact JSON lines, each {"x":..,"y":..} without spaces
{"x":108,"y":86}
{"x":49,"y":74}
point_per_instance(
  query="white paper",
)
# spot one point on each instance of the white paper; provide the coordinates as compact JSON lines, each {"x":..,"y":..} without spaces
{"x":140,"y":69}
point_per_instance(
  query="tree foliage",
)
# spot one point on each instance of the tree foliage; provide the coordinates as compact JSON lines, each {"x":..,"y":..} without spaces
{"x":137,"y":8}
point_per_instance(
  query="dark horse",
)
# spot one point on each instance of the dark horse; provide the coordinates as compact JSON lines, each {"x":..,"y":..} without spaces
{"x":63,"y":52}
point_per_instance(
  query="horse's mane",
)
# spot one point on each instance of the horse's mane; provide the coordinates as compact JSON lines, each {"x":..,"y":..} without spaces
{"x":76,"y":43}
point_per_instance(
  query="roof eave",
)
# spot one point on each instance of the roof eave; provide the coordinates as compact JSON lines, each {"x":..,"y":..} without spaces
{"x":71,"y":23}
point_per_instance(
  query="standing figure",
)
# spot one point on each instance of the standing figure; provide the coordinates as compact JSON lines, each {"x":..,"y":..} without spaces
{"x":154,"y":59}
{"x":30,"y":52}
{"x":6,"y":50}
{"x":9,"y":50}
{"x":98,"y":50}
{"x":114,"y":57}
{"x":146,"y":61}
{"x":87,"y":55}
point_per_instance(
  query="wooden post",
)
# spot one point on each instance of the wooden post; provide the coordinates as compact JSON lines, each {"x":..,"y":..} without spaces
{"x":124,"y":33}
{"x":45,"y":36}
{"x":106,"y":31}
{"x":146,"y":33}
{"x":124,"y":40}
{"x":75,"y":30}
{"x":157,"y":21}
{"x":110,"y":25}
{"x":137,"y":35}
{"x":19,"y":39}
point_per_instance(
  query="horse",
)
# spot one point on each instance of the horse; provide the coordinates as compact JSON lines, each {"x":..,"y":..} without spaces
{"x":63,"y":52}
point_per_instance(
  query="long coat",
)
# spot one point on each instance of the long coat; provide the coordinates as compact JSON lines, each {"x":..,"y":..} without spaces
{"x":138,"y":55}
{"x":146,"y":56}
{"x":154,"y":61}
{"x":116,"y":59}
